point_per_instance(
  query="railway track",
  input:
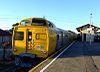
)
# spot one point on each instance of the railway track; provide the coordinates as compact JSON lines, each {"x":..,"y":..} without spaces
{"x":14,"y":68}
{"x":6,"y":67}
{"x":9,"y":69}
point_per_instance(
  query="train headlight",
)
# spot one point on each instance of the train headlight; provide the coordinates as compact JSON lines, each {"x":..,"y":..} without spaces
{"x":14,"y":49}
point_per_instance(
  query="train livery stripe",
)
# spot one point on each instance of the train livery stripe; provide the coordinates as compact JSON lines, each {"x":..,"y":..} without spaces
{"x":56,"y":58}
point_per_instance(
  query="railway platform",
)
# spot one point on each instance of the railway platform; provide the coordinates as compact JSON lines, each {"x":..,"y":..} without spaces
{"x":78,"y":57}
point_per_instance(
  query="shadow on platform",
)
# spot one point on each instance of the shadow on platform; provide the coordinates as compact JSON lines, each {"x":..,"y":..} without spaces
{"x":79,"y":49}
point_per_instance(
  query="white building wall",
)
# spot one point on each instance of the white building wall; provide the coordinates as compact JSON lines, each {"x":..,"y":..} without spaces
{"x":89,"y":35}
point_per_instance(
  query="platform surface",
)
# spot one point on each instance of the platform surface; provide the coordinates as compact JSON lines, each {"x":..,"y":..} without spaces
{"x":79,"y":57}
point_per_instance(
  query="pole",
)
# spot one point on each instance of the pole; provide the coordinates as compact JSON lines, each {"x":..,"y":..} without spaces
{"x":90,"y":26}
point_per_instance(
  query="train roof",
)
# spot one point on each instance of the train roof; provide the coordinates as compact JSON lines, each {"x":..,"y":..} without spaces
{"x":85,"y":27}
{"x":34,"y":18}
{"x":41,"y":20}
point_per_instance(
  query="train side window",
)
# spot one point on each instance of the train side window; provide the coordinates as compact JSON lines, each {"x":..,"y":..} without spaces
{"x":19,"y":35}
{"x":50,"y":24}
{"x":29,"y":36}
{"x":58,"y":37}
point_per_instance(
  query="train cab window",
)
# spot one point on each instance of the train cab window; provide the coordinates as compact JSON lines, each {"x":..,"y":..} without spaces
{"x":25,"y":22}
{"x":36,"y":22}
{"x":19,"y":35}
{"x":29,"y":36}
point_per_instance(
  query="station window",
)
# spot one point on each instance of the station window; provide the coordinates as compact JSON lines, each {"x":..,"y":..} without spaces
{"x":19,"y":35}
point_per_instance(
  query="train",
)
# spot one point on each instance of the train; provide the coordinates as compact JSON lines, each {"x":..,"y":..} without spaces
{"x":37,"y":38}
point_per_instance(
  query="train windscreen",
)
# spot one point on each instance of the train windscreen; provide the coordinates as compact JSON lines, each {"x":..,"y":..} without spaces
{"x":25,"y":22}
{"x":36,"y":22}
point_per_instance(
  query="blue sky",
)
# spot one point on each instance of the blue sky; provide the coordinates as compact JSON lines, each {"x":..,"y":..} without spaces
{"x":65,"y":14}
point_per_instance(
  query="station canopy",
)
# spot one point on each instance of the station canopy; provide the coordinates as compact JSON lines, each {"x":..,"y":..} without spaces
{"x":87,"y":26}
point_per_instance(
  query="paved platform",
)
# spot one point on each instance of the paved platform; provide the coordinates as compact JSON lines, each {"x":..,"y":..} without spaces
{"x":80,"y":57}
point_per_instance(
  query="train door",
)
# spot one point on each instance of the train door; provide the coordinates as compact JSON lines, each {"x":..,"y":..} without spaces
{"x":23,"y":41}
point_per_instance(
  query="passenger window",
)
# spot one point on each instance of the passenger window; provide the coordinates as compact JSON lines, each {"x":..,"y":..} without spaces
{"x":29,"y":36}
{"x":19,"y":35}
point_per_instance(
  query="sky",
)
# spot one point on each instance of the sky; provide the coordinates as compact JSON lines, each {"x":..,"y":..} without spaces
{"x":65,"y":14}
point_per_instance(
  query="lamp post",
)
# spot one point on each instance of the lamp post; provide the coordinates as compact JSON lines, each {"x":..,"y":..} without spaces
{"x":90,"y":26}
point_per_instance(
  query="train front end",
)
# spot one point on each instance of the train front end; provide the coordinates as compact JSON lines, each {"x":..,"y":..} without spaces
{"x":30,"y":41}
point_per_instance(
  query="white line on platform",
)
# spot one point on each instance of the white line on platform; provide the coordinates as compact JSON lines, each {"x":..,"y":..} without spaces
{"x":55,"y":58}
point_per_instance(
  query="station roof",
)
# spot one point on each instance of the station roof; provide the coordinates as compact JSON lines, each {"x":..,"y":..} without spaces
{"x":85,"y":27}
{"x":98,"y":28}
{"x":4,"y":33}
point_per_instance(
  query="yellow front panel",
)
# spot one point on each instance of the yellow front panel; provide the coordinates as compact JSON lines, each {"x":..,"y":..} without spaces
{"x":38,"y":45}
{"x":20,"y":46}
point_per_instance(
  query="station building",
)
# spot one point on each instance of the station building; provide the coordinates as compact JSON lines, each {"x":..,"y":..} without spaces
{"x":87,"y":32}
